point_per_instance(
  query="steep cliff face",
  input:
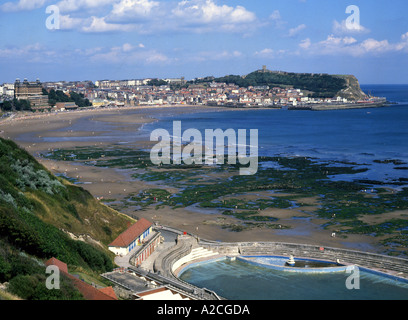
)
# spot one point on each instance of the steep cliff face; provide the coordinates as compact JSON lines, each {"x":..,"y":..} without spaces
{"x":352,"y":90}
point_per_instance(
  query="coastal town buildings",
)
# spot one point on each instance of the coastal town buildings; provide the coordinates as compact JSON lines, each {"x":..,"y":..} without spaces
{"x":165,"y":92}
{"x":104,"y":93}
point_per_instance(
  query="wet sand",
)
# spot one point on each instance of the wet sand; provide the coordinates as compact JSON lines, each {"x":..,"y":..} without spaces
{"x":118,"y":184}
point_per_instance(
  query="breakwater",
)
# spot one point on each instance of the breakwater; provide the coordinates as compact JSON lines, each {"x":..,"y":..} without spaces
{"x":326,"y":107}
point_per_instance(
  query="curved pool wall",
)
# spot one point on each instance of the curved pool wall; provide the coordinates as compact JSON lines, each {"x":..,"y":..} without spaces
{"x":278,"y":263}
{"x":198,"y":263}
{"x":394,"y":266}
{"x":341,"y":268}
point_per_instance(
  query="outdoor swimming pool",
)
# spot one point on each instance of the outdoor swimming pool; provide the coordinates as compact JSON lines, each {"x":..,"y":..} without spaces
{"x":239,"y":280}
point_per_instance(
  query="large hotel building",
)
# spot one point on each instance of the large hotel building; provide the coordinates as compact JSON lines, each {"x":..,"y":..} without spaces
{"x":31,"y":91}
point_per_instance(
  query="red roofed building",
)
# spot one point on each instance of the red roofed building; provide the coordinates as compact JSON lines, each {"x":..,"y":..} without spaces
{"x":89,"y":292}
{"x":131,"y":237}
{"x":109,"y":291}
{"x":55,"y":262}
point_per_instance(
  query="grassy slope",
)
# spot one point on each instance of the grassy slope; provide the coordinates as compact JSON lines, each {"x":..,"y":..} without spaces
{"x":35,"y":208}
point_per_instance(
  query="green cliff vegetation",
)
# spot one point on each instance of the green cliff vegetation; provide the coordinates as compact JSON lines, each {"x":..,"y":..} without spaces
{"x":39,"y":213}
{"x":317,"y":85}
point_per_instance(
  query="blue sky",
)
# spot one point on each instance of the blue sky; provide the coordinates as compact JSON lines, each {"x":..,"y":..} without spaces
{"x":134,"y":39}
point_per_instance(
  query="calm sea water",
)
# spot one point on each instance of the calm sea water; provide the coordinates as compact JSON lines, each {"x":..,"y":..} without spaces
{"x":356,"y":135}
{"x":238,"y":280}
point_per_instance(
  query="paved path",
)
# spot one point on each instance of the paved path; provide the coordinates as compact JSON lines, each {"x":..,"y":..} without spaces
{"x":123,"y":261}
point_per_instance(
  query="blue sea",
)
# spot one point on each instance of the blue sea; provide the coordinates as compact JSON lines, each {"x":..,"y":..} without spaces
{"x":365,"y":137}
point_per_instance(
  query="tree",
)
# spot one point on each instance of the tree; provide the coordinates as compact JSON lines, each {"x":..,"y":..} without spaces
{"x":5,"y":269}
{"x":79,"y":99}
{"x":7,"y":106}
{"x":52,"y":102}
{"x":157,"y":82}
{"x":22,"y":105}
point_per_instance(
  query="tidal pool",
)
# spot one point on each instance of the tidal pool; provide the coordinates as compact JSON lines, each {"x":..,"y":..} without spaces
{"x":237,"y":280}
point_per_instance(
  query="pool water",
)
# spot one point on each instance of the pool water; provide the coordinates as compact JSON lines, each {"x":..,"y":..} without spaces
{"x":238,"y":280}
{"x":299,"y":263}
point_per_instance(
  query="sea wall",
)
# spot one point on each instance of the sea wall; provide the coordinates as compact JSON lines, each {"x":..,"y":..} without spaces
{"x":323,"y":107}
{"x":327,"y":107}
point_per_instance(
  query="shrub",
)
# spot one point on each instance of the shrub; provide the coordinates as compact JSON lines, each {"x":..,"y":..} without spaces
{"x":33,"y":287}
{"x":28,"y":176}
{"x":8,"y":198}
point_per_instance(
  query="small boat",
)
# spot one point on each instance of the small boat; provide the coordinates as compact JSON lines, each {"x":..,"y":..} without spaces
{"x":291,"y":261}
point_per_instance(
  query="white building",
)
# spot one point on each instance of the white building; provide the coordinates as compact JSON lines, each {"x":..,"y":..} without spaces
{"x":131,"y":237}
{"x":7,"y":89}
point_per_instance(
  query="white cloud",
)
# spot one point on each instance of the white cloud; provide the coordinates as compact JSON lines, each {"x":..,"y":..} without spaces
{"x":206,"y":11}
{"x":152,"y":57}
{"x":215,"y":55}
{"x":22,"y":5}
{"x":337,"y":45}
{"x":129,"y":54}
{"x":337,"y":41}
{"x":100,"y":25}
{"x":206,"y":15}
{"x":32,"y":53}
{"x":305,"y":44}
{"x":275,"y":15}
{"x":265,"y":52}
{"x":403,"y":45}
{"x":295,"y":31}
{"x":21,"y":51}
{"x":68,"y":23}
{"x":277,"y":20}
{"x":372,"y":45}
{"x":89,"y":51}
{"x":127,"y":47}
{"x":77,"y":5}
{"x":269,"y":53}
{"x":132,"y":10}
{"x":341,"y":28}
{"x":154,"y":16}
{"x":332,"y":45}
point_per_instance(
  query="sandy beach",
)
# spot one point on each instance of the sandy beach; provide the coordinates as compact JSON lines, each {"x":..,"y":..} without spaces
{"x":29,"y":132}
